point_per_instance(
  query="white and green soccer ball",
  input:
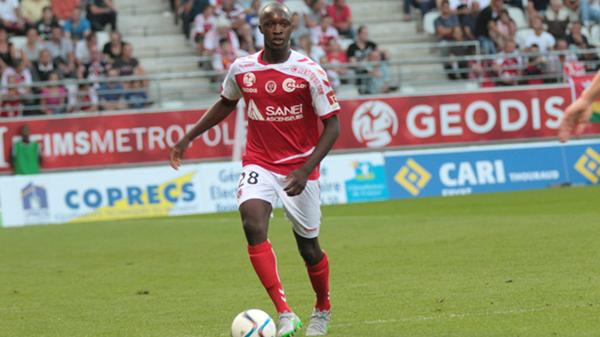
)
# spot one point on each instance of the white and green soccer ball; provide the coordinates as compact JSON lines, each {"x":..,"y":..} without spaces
{"x":253,"y":323}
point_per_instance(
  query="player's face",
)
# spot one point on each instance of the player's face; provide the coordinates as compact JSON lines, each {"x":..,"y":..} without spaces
{"x":276,"y":26}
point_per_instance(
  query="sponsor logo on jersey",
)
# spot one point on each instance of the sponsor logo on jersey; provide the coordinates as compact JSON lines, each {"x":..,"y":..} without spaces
{"x":284,"y":110}
{"x":289,"y":85}
{"x":588,"y":165}
{"x":332,"y":99}
{"x":249,"y":79}
{"x":271,"y":86}
{"x":250,"y":90}
{"x":412,"y":177}
{"x":374,"y":123}
{"x":253,"y":112}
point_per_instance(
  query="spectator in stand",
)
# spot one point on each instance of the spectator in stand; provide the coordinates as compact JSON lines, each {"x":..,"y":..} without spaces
{"x":22,"y":75}
{"x":188,"y":10}
{"x":53,"y":96}
{"x":25,"y":155}
{"x":324,"y":32}
{"x":86,"y":99}
{"x":10,"y":99}
{"x":10,"y":17}
{"x":8,"y":52}
{"x":42,"y":68}
{"x":535,"y":67}
{"x":223,"y":31}
{"x":102,"y":13}
{"x":316,"y":12}
{"x":488,"y":14}
{"x":502,"y":30}
{"x":233,"y":12}
{"x":458,"y":68}
{"x":574,"y":8}
{"x":544,"y":40}
{"x":508,"y":65}
{"x":96,"y":67}
{"x":46,"y":23}
{"x":83,"y":48}
{"x":127,"y":64}
{"x":33,"y":46}
{"x":113,"y":48}
{"x":445,"y":23}
{"x":338,"y":60}
{"x":423,"y":5}
{"x":557,"y":19}
{"x":378,"y":75}
{"x":136,"y":96}
{"x":32,"y":10}
{"x":579,"y":43}
{"x":342,"y":17}
{"x":111,"y":92}
{"x":203,"y":24}
{"x":314,"y":52}
{"x":252,"y":21}
{"x":246,"y":37}
{"x":298,"y":29}
{"x":63,"y":9}
{"x":576,"y":39}
{"x":77,"y":27}
{"x":590,"y":12}
{"x":466,"y":21}
{"x":225,"y":56}
{"x":59,"y":45}
{"x":362,"y":47}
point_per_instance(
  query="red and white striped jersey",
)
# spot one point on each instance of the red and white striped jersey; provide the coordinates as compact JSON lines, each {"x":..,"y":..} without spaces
{"x":284,"y":103}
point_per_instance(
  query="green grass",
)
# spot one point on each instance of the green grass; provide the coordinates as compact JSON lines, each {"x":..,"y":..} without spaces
{"x":512,"y":264}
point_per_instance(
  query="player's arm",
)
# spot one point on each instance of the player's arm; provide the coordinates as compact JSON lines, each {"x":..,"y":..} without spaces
{"x":297,"y":179}
{"x":579,"y":112}
{"x":218,"y":112}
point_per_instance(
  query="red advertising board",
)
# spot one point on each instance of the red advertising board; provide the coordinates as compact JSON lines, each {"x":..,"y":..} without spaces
{"x":112,"y":139}
{"x":373,"y":122}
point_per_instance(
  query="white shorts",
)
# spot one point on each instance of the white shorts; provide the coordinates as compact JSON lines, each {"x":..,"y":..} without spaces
{"x":304,"y":210}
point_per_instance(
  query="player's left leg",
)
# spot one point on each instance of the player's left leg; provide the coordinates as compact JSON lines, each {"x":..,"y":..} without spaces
{"x":304,"y":211}
{"x":317,"y":265}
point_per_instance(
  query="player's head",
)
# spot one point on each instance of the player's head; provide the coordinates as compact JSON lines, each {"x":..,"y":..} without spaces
{"x":276,"y":25}
{"x":25,"y":132}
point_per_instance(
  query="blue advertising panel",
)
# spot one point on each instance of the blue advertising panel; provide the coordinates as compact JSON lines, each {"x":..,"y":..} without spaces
{"x":475,"y":170}
{"x":583,"y":162}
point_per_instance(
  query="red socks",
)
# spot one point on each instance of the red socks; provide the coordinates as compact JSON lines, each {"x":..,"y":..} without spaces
{"x":264,"y":262}
{"x":319,"y":278}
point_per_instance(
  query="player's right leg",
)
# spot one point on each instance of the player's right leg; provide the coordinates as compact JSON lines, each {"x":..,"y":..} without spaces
{"x":255,"y":198}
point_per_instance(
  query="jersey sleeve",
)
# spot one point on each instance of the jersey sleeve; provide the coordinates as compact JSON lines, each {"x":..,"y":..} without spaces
{"x":324,"y":101}
{"x":230,"y":89}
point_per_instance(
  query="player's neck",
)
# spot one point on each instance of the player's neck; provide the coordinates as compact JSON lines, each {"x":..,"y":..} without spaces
{"x":275,"y":56}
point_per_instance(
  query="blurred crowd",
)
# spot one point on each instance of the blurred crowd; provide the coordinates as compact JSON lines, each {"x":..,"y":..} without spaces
{"x":554,"y":40}
{"x":53,"y":62}
{"x":223,"y":30}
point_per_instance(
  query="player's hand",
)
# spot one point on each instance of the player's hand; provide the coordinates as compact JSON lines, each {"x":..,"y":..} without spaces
{"x":177,"y":152}
{"x":296,"y":182}
{"x":575,"y":119}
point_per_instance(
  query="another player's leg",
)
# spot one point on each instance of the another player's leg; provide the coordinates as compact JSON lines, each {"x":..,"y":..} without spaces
{"x":317,"y":265}
{"x":255,"y":218}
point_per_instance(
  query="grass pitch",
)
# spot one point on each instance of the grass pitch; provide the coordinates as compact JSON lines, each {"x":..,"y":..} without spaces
{"x":512,"y":264}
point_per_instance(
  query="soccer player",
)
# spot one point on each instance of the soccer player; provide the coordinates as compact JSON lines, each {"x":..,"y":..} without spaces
{"x":286,"y":94}
{"x":577,"y":115}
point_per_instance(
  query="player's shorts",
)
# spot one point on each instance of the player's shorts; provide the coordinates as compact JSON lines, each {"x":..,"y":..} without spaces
{"x":304,"y":210}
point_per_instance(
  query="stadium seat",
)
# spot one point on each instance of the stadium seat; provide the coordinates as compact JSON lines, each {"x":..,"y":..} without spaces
{"x":522,"y":35}
{"x":517,"y":15}
{"x":295,"y":5}
{"x":428,"y":21}
{"x":18,"y":41}
{"x":103,"y":37}
{"x":594,"y":37}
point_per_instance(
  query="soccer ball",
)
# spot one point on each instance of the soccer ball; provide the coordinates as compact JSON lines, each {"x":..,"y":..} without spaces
{"x":253,"y":323}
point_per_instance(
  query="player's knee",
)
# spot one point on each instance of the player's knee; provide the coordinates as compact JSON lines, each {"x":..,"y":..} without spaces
{"x":311,"y":255}
{"x":255,"y":231}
